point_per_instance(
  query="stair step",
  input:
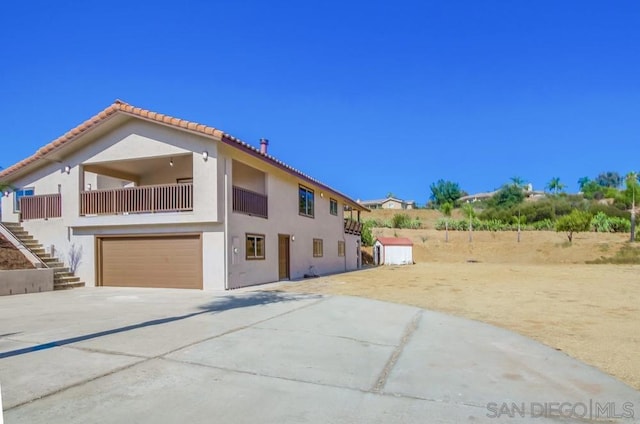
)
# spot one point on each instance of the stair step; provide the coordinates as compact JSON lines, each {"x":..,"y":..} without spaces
{"x":61,"y":275}
{"x":66,"y":279}
{"x":61,"y":269}
{"x":54,"y":264}
{"x":12,"y":225}
{"x":65,"y":286}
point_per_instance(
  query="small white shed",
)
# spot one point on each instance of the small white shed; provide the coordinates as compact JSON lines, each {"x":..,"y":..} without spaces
{"x":393,"y":251}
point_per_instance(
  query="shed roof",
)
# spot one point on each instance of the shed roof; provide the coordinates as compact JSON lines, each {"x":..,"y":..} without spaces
{"x":395,"y":241}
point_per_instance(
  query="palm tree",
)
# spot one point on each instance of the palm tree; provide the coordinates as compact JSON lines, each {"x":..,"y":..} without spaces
{"x":446,"y":209}
{"x":517,"y":181}
{"x":583,"y":182}
{"x":555,"y":185}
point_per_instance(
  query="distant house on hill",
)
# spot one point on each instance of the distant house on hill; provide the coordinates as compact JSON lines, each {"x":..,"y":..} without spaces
{"x":528,"y":191}
{"x":388,"y":203}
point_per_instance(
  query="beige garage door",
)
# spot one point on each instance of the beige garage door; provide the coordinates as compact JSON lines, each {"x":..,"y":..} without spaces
{"x":173,"y":261}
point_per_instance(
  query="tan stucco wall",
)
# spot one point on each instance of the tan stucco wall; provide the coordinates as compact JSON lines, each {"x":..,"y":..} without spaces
{"x":282,"y":191}
{"x":391,"y":204}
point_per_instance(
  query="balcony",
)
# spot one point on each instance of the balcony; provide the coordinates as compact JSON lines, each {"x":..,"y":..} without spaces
{"x":352,"y":227}
{"x":44,"y":206}
{"x":143,"y":199}
{"x":249,"y":202}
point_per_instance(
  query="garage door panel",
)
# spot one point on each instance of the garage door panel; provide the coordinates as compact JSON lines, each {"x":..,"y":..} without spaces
{"x":151,"y":261}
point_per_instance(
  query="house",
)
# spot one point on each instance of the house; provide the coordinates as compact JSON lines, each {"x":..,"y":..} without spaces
{"x":388,"y":203}
{"x":138,"y":198}
{"x":392,"y":251}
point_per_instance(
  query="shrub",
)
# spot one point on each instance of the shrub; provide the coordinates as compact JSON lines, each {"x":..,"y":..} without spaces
{"x":620,"y":225}
{"x":601,"y":223}
{"x":401,"y":220}
{"x":609,"y":210}
{"x":576,"y":221}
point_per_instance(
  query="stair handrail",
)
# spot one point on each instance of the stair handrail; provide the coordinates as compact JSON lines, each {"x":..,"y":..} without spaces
{"x":19,"y":244}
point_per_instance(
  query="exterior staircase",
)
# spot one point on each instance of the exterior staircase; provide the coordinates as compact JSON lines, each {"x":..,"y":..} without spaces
{"x":63,"y":278}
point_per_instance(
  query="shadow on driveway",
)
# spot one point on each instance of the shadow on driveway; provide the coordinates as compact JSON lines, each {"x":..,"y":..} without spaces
{"x":220,"y":304}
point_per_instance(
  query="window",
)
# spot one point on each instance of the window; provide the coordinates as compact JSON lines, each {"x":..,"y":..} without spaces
{"x":340,"y":248}
{"x":305,"y":198}
{"x":21,"y":193}
{"x":333,"y":206}
{"x":317,"y":248}
{"x":255,"y":246}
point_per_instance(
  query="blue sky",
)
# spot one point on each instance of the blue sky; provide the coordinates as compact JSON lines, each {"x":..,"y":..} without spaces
{"x":369,"y":97}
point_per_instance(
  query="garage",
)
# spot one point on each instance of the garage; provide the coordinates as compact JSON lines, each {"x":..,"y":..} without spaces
{"x":159,"y":261}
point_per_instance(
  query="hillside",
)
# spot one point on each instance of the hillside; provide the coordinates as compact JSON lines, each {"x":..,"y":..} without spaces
{"x":535,"y":247}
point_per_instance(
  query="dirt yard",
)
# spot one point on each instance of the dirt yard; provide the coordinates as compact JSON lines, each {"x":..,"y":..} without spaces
{"x":11,"y":258}
{"x":540,"y":287}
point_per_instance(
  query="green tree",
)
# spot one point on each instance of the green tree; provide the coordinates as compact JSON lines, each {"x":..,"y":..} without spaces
{"x":576,"y":222}
{"x":509,"y":195}
{"x":609,"y":179}
{"x":593,"y":190}
{"x":446,"y":209}
{"x":366,"y":234}
{"x":444,"y":191}
{"x":555,"y":185}
{"x":390,"y":195}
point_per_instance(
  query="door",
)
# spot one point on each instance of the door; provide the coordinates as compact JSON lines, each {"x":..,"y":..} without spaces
{"x":283,"y":257}
{"x":160,"y":261}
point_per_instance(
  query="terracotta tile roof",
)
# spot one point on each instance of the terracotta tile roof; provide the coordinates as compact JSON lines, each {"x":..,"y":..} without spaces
{"x":124,"y":108}
{"x":395,"y":241}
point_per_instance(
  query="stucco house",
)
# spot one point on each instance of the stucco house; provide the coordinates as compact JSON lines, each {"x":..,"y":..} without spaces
{"x":388,"y":203}
{"x":150,"y":200}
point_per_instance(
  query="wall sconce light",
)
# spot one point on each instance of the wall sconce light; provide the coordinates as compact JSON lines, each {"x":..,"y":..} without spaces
{"x":67,"y":169}
{"x":293,"y":238}
{"x":171,"y":162}
{"x":322,"y":195}
{"x":205,"y":155}
{"x":6,"y":194}
{"x":89,"y":187}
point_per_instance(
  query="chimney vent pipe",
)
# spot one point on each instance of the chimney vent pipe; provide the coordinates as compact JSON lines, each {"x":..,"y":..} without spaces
{"x":264,"y":143}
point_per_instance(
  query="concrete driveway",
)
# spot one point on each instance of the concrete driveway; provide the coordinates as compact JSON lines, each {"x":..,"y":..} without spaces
{"x":108,"y":355}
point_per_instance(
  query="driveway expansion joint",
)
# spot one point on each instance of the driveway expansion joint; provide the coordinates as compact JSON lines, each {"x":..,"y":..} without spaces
{"x":393,"y":359}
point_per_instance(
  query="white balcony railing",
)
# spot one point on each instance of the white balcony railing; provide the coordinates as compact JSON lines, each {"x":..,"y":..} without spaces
{"x":143,"y":199}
